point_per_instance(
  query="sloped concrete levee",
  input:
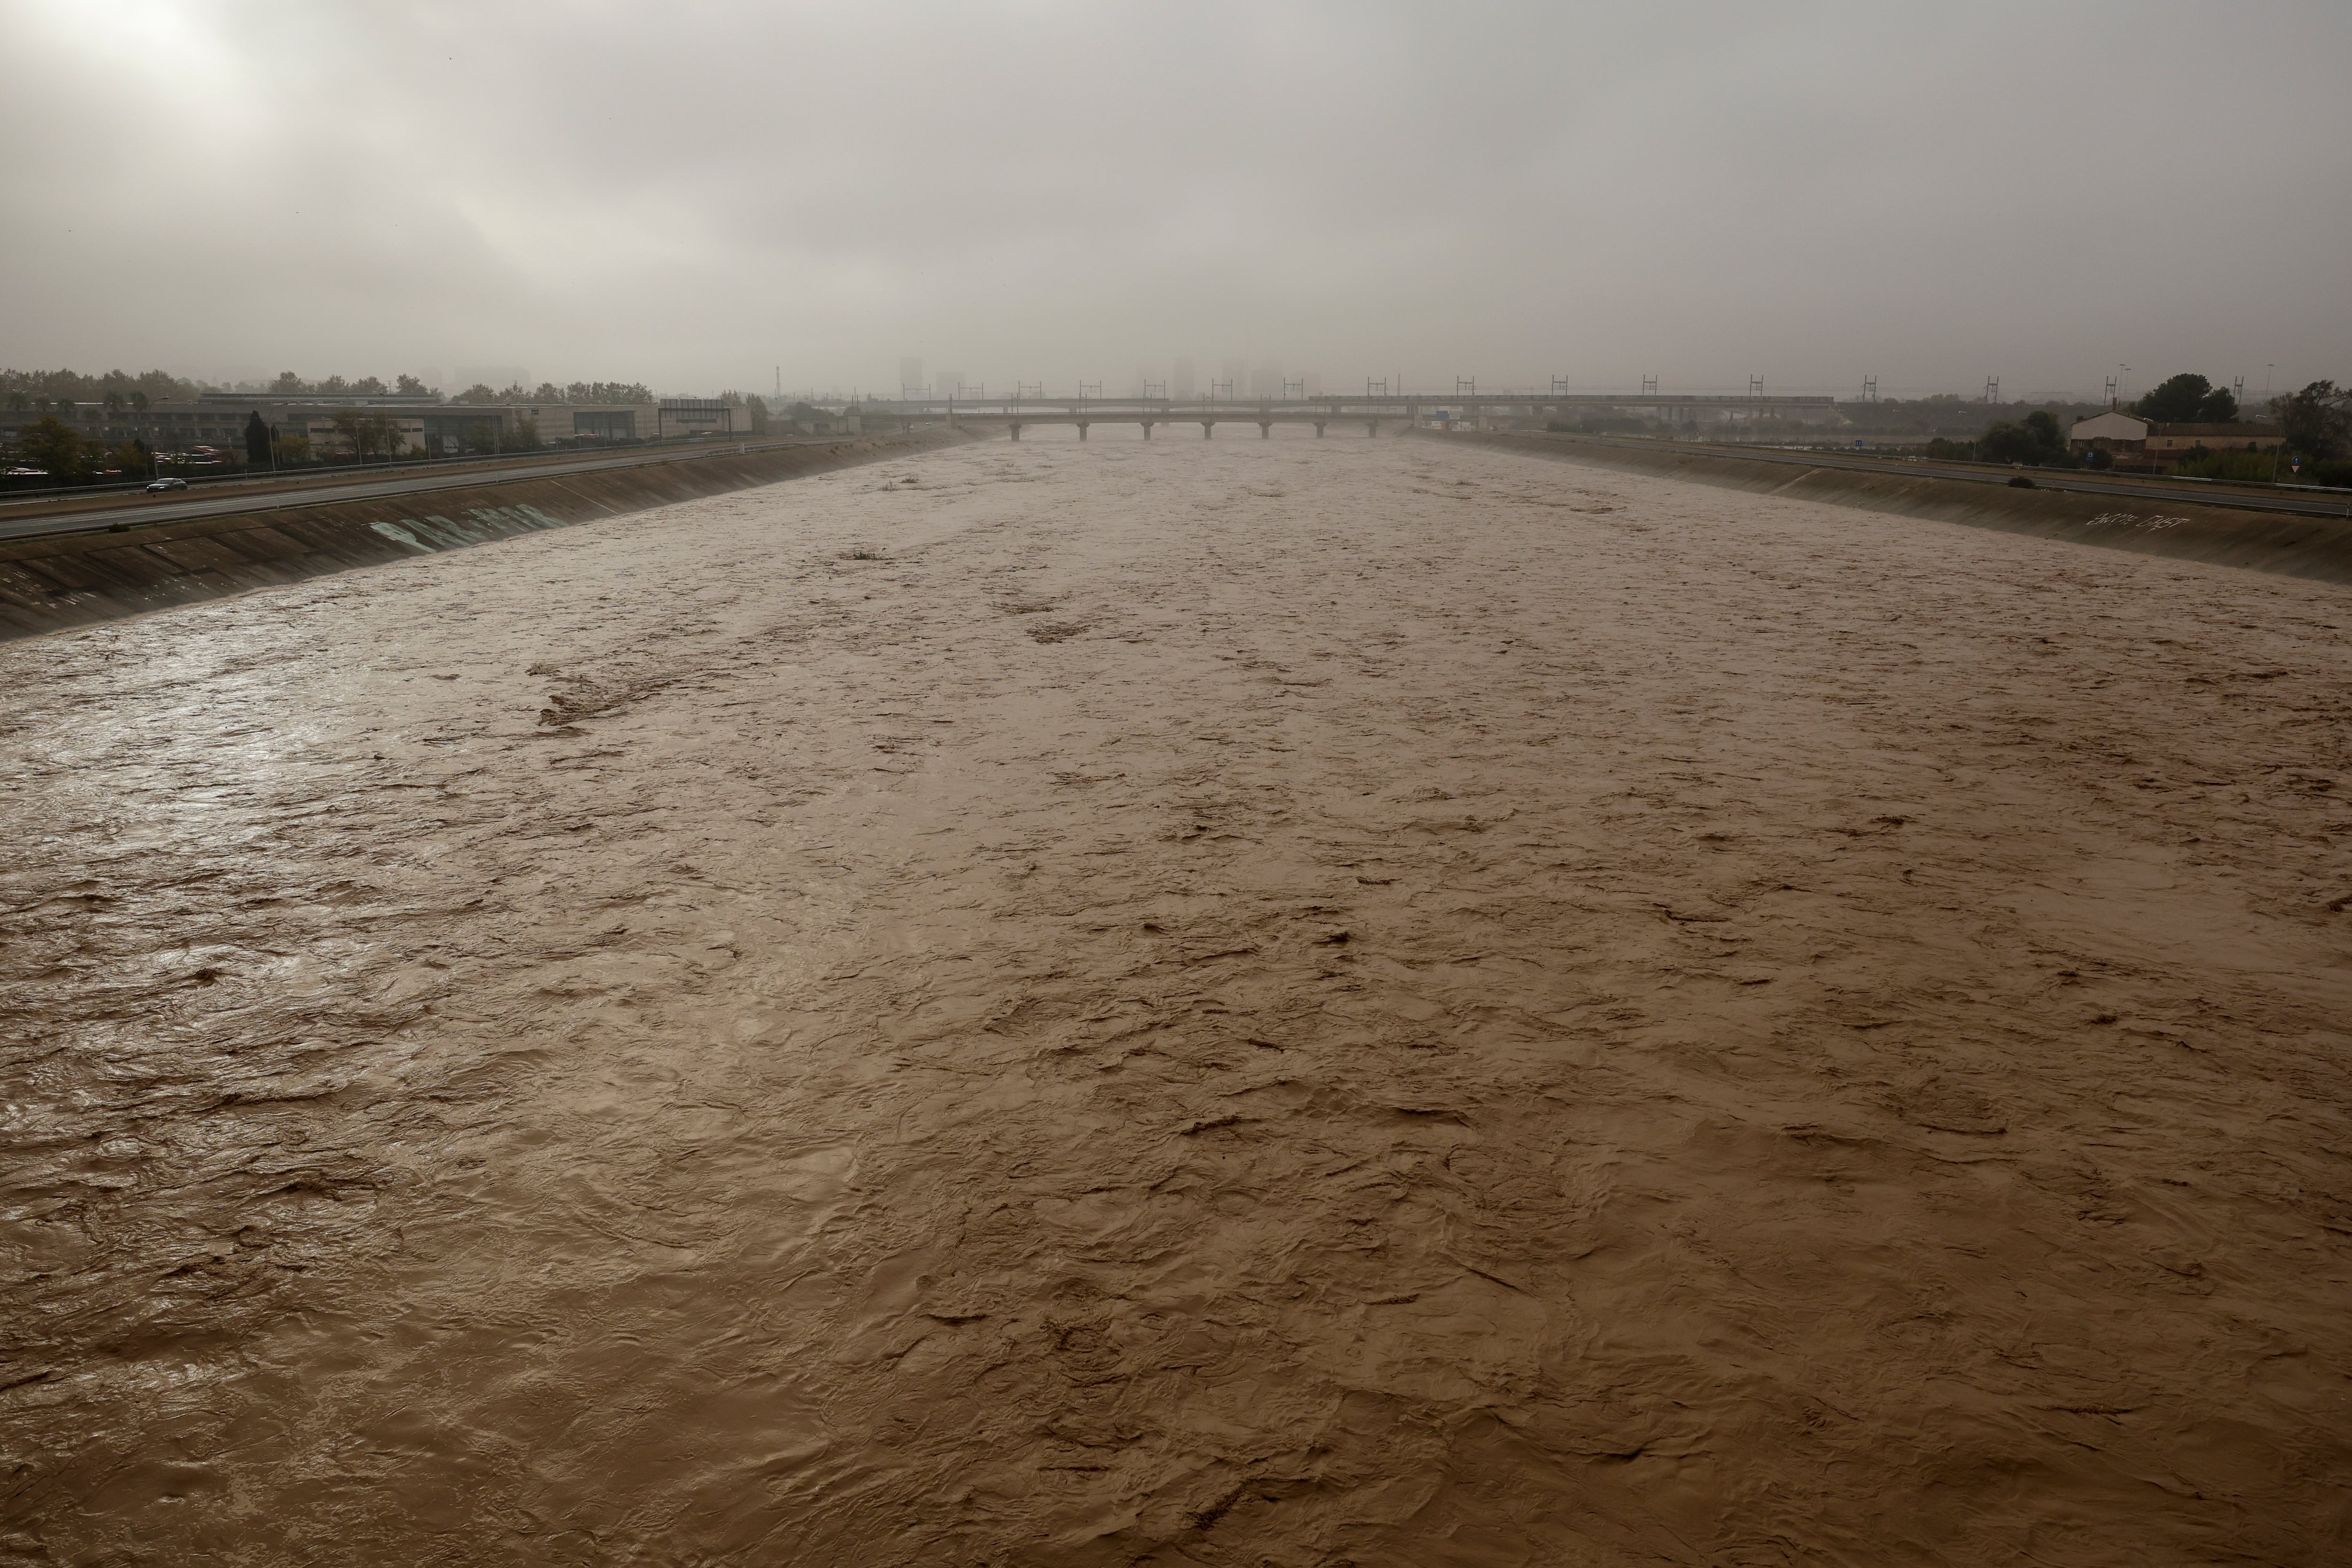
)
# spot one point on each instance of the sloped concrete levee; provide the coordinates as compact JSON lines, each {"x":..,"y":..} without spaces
{"x":59,"y":581}
{"x":2289,"y":544}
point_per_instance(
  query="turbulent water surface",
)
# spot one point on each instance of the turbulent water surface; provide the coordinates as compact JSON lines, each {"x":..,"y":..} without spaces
{"x":1240,"y":1003}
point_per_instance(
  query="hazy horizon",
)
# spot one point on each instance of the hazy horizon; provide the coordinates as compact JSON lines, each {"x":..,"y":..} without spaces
{"x":1055,"y":193}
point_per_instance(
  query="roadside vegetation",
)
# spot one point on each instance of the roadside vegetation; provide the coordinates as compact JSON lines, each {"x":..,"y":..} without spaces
{"x":67,"y":456}
{"x":2316,"y":422}
{"x":2037,"y":441}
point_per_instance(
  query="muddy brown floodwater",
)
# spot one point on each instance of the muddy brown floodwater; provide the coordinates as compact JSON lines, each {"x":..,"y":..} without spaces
{"x":1238,"y":1002}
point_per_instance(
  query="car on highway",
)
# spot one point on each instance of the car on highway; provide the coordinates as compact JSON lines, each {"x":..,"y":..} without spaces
{"x":167,"y":485}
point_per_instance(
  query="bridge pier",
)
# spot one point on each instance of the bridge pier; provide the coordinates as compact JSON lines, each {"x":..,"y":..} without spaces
{"x":1016,"y":429}
{"x":1372,"y":428}
{"x":1266,"y":429}
{"x":1082,"y":429}
{"x":1208,"y":428}
{"x":1319,"y":429}
{"x":1147,"y":428}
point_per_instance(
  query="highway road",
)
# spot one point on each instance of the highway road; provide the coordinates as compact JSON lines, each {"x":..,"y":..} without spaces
{"x":180,"y":505}
{"x":2315,"y":503}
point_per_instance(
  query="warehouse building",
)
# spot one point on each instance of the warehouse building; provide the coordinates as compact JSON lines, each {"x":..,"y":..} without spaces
{"x":2134,"y":442}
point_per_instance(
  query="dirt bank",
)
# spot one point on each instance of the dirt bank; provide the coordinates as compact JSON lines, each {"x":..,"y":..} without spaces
{"x":2315,"y":547}
{"x":1222,"y":1003}
{"x":68,"y":580}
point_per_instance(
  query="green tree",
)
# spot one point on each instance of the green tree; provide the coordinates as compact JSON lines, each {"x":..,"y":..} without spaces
{"x":2177,"y":401}
{"x":607,"y":391}
{"x":2036,"y":439}
{"x":288,"y":385}
{"x":2008,"y":443}
{"x":2189,"y":400}
{"x":368,"y":386}
{"x":257,"y":440}
{"x":478,"y":392}
{"x":369,"y":434}
{"x":57,"y":450}
{"x":409,"y":386}
{"x":162,"y":384}
{"x":2316,"y":421}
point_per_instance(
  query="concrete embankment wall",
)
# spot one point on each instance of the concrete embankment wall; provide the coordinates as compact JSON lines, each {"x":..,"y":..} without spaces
{"x":59,"y":581}
{"x":2290,"y":545}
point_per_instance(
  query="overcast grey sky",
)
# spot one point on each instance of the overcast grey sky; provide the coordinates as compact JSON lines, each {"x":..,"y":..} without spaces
{"x":693,"y":193}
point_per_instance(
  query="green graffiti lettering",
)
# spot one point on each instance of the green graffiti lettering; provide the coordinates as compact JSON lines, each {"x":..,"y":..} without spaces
{"x":394,"y":531}
{"x":442,"y":538}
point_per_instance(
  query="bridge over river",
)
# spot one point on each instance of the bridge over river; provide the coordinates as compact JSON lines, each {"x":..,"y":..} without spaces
{"x":1370,"y":410}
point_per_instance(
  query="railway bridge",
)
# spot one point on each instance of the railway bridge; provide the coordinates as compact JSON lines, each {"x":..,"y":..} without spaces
{"x":1372,"y":410}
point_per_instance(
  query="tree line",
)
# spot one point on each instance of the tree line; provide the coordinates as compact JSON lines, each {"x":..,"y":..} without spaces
{"x":48,"y":391}
{"x":43,"y":390}
{"x":289,"y":384}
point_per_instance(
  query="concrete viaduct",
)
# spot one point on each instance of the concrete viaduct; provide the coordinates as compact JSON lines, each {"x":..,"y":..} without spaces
{"x":1015,"y":413}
